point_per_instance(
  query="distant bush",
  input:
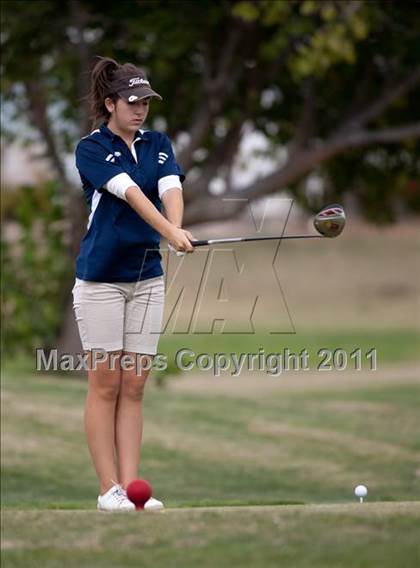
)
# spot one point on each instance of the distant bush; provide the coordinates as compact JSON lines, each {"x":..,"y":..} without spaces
{"x":35,"y":265}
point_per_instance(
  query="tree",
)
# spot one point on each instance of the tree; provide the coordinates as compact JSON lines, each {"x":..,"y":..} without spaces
{"x":332,"y":83}
{"x":338,"y":78}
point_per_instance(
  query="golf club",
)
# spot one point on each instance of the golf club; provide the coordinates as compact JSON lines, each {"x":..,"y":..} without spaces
{"x":329,"y":223}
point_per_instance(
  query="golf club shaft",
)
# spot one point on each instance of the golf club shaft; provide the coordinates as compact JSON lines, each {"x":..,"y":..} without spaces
{"x":205,"y":242}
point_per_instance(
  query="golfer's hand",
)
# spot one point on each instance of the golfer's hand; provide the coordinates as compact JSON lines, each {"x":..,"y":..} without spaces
{"x":180,"y":240}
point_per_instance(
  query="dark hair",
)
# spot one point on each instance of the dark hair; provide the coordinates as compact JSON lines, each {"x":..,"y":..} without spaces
{"x":103,"y":74}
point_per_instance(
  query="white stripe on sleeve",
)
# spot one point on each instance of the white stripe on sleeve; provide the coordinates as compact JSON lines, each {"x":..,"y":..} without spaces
{"x":168,"y":182}
{"x":95,"y":202}
{"x":119,"y":184}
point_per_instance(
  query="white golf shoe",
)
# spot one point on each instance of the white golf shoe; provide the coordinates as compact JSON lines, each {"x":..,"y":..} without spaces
{"x":115,"y":499}
{"x":153,"y":505}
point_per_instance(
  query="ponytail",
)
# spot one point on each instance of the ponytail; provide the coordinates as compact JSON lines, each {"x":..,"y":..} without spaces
{"x":101,"y":78}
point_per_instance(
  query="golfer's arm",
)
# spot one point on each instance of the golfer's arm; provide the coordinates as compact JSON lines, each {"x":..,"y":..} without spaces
{"x":147,"y":211}
{"x":174,"y":205}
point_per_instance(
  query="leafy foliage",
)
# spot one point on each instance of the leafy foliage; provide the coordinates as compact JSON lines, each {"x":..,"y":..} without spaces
{"x":35,"y":264}
{"x":227,"y":63}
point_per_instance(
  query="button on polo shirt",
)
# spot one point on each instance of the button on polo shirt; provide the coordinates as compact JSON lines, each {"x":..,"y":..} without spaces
{"x":119,"y":246}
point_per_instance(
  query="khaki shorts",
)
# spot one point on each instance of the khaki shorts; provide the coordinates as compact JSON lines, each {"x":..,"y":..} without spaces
{"x":116,"y":316}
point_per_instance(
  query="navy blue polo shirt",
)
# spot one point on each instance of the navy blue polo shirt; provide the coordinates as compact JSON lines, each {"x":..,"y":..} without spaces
{"x":119,"y":246}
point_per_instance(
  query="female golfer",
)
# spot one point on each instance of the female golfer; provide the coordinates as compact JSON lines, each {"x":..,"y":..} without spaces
{"x":127,"y":174}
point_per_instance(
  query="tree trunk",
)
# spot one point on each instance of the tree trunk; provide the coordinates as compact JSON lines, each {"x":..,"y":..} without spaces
{"x":69,"y":341}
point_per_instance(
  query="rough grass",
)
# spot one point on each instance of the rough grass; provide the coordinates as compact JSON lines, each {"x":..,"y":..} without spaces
{"x":216,"y":443}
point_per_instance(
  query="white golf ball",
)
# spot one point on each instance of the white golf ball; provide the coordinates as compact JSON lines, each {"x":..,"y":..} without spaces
{"x":360,"y":491}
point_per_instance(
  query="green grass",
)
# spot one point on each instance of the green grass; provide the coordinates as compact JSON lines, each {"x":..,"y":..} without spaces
{"x":219,"y":442}
{"x":275,"y":460}
{"x":391,"y":345}
{"x":287,"y":442}
{"x":293,"y":536}
{"x":368,"y":279}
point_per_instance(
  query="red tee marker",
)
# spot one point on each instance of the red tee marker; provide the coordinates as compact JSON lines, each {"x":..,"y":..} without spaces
{"x":139,"y":491}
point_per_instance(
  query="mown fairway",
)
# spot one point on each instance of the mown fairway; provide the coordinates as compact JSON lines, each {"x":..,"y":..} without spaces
{"x":381,"y":534}
{"x":255,"y":471}
{"x":300,"y":438}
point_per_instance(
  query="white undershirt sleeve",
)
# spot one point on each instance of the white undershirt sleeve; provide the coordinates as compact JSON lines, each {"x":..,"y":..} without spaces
{"x":119,"y":184}
{"x":168,"y":182}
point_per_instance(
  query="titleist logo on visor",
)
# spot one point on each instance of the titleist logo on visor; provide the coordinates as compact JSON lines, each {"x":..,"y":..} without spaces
{"x":124,"y":83}
{"x":138,"y":81}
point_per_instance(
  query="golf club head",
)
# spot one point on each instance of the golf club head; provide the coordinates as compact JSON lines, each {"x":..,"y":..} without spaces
{"x":330,"y":221}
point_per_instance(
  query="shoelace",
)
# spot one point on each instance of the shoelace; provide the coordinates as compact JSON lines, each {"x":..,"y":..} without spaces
{"x":119,"y":493}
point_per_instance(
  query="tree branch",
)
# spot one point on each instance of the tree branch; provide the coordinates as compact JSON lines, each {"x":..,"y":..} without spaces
{"x":222,"y":154}
{"x":215,"y":90}
{"x":80,"y":18}
{"x":197,"y":132}
{"x":305,"y":122}
{"x":378,"y":106}
{"x":301,"y":163}
{"x":38,"y":112}
{"x":214,"y":85}
{"x":384,"y":136}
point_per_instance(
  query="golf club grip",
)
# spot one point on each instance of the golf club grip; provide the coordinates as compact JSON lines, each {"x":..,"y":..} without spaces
{"x":200,"y":243}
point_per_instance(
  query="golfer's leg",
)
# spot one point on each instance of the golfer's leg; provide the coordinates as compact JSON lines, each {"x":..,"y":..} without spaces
{"x":143,"y":320}
{"x":99,"y":419}
{"x":129,"y":422}
{"x":99,"y":309}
